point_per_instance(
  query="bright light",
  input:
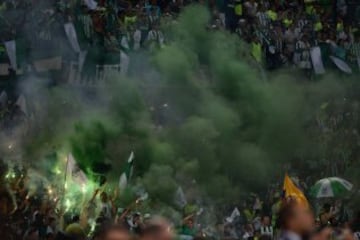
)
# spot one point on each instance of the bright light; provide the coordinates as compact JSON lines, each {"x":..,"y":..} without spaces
{"x":92,"y":224}
{"x":10,"y":174}
{"x":83,"y":188}
{"x":57,"y":171}
{"x":67,"y":204}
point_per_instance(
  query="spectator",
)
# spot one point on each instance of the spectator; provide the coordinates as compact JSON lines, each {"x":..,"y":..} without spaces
{"x":266,"y":228}
{"x":295,"y":220}
{"x":116,"y":232}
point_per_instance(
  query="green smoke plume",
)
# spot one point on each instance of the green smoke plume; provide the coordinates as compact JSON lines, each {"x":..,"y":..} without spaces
{"x":207,"y":117}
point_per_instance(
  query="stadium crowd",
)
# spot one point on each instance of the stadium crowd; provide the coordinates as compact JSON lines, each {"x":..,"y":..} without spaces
{"x":108,"y":32}
{"x":39,"y":213}
{"x":281,"y":33}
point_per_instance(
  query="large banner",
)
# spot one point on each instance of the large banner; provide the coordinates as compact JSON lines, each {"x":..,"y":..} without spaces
{"x":81,"y":60}
{"x":11,"y":51}
{"x":91,"y":4}
{"x":72,"y":37}
{"x":316,"y":59}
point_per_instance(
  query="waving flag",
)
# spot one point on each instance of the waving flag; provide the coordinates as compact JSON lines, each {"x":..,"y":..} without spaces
{"x":21,"y":103}
{"x":72,"y":37}
{"x":235,"y":213}
{"x":74,"y":172}
{"x":11,"y":51}
{"x":126,"y":175}
{"x":91,"y":4}
{"x":317,"y":62}
{"x":291,"y":190}
{"x":3,"y":98}
{"x":180,"y":198}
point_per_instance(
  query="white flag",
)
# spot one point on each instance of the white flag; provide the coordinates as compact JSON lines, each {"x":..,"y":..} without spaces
{"x":124,"y":63}
{"x":235,"y":213}
{"x":11,"y":51}
{"x":72,"y":37}
{"x":82,"y":57}
{"x":127,"y":172}
{"x":137,"y":39}
{"x":316,"y":59}
{"x":201,"y":210}
{"x":3,"y":98}
{"x":74,"y":172}
{"x":91,"y":4}
{"x":21,"y":103}
{"x":180,"y":198}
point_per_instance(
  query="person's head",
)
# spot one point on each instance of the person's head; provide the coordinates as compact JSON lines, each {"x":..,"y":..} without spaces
{"x":157,"y":228}
{"x":296,"y":217}
{"x":248,"y":228}
{"x":4,"y":202}
{"x":326,"y":207}
{"x":357,"y":215}
{"x":257,"y":234}
{"x":338,"y":203}
{"x":261,"y":7}
{"x":347,"y":234}
{"x":322,"y":234}
{"x":264,"y":237}
{"x":190,"y":223}
{"x":50,"y":236}
{"x":75,"y":231}
{"x":136,"y":218}
{"x":103,"y":197}
{"x":305,"y":37}
{"x":147,"y":218}
{"x":75,"y":218}
{"x":52,"y":222}
{"x":154,"y":12}
{"x":266,"y":220}
{"x":32,"y":234}
{"x":116,"y":232}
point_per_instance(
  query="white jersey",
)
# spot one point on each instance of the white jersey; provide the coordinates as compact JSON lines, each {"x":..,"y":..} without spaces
{"x":357,"y":235}
{"x":267,"y":230}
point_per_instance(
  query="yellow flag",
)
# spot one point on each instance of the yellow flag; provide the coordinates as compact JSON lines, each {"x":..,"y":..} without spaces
{"x":292,"y":191}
